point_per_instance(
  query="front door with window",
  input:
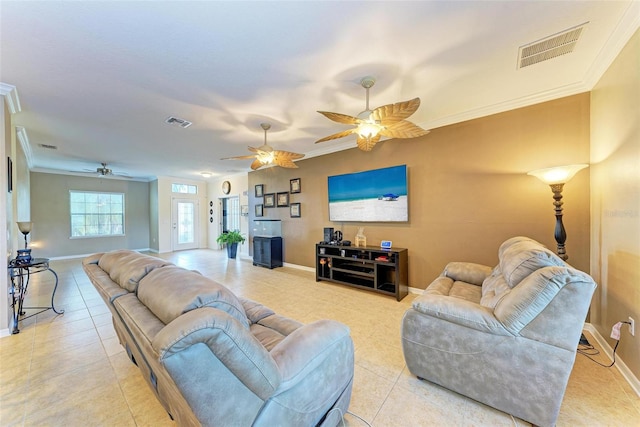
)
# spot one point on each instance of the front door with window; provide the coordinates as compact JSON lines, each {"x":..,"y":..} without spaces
{"x":185,"y":224}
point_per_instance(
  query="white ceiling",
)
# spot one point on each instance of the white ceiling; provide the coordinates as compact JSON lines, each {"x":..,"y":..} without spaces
{"x":98,"y":79}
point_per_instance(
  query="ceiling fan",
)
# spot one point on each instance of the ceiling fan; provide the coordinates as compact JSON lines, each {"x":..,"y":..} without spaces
{"x":371,"y":125}
{"x":265,"y":155}
{"x":103,"y":170}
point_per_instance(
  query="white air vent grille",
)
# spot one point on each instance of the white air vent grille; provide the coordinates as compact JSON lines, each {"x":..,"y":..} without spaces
{"x":48,"y":147}
{"x":178,"y":122}
{"x":549,"y":47}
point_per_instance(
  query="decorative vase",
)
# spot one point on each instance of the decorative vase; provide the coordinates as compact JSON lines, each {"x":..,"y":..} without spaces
{"x":232,"y":250}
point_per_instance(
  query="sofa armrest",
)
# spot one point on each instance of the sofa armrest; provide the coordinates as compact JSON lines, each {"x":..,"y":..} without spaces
{"x":311,"y":346}
{"x":467,"y":272}
{"x":459,"y":311}
{"x":229,"y":341}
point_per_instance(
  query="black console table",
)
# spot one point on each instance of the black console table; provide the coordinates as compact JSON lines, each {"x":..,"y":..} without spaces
{"x":380,"y":270}
{"x":20,"y":273}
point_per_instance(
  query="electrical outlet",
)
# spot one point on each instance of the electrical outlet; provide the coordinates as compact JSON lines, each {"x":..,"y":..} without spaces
{"x":632,"y":326}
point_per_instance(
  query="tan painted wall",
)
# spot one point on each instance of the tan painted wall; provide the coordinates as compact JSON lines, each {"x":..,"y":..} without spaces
{"x":615,"y":200}
{"x":468,"y":189}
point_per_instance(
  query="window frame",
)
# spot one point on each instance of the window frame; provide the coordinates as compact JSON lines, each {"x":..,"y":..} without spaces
{"x":99,"y":194}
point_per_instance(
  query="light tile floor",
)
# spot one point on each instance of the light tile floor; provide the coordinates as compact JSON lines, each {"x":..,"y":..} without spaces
{"x":70,"y":370}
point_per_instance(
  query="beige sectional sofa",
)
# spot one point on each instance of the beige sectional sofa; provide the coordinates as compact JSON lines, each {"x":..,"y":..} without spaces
{"x":213,"y":358}
{"x":507,"y":336}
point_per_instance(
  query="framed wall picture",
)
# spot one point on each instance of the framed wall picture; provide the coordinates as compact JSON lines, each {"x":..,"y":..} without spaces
{"x":270,"y":200}
{"x":294,"y":210}
{"x":259,"y":190}
{"x":259,"y":211}
{"x":283,"y":200}
{"x":9,"y":174}
{"x":294,"y":186}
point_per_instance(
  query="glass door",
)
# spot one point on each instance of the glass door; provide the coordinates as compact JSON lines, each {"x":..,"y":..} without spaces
{"x":185,"y":224}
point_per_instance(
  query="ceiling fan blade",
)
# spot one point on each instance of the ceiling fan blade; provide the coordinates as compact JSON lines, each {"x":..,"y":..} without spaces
{"x":403,"y":129}
{"x":367,"y":144}
{"x":285,"y":158}
{"x":337,"y":135}
{"x":256,"y":164}
{"x":391,"y":113}
{"x":340,"y":118}
{"x":285,"y":163}
{"x":250,"y":156}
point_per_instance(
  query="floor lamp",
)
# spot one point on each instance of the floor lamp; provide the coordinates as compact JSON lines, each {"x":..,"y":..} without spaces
{"x":556,"y":178}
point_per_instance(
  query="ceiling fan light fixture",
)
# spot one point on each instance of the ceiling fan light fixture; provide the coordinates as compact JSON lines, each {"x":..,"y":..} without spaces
{"x":266,"y":158}
{"x":368,"y":129}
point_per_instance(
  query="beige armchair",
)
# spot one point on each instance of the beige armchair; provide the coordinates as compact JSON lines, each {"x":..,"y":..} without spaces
{"x":506,"y":336}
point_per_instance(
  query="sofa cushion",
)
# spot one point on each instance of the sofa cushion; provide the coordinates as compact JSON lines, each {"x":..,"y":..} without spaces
{"x":446,"y":286}
{"x":172,"y":291}
{"x":507,"y":244}
{"x":522,"y":258}
{"x":494,"y":288}
{"x":126,"y":267}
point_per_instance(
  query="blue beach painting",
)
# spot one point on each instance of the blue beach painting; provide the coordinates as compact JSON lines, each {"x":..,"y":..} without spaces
{"x":378,"y":195}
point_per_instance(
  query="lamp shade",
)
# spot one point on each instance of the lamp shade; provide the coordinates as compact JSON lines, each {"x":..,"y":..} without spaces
{"x":557,"y":175}
{"x":24,"y":227}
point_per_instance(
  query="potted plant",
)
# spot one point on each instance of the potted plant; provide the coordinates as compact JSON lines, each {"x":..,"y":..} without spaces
{"x":231,"y":240}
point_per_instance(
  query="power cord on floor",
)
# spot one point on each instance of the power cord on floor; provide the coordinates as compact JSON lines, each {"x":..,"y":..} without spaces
{"x":342,"y":423}
{"x":587,"y":350}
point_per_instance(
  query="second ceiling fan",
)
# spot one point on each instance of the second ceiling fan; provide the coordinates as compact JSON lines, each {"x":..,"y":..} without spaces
{"x":265,"y":154}
{"x":371,"y":125}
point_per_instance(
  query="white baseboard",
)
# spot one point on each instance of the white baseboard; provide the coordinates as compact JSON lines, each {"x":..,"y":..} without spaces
{"x":622,"y":367}
{"x":5,"y":333}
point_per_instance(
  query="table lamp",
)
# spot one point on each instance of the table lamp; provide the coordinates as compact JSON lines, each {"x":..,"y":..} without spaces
{"x":556,"y":178}
{"x":24,"y":255}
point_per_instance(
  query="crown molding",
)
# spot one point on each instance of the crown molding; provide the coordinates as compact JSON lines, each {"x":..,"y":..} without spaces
{"x":21,"y":133}
{"x":626,"y":28}
{"x":525,"y":101}
{"x":10,"y":94}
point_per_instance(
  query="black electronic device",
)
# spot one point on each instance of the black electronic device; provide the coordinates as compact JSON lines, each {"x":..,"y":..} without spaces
{"x":328,"y":234}
{"x":346,"y":243}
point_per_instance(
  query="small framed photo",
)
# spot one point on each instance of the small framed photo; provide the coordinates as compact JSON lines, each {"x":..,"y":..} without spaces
{"x":270,"y":200}
{"x":294,"y":186}
{"x":294,"y":210}
{"x":259,"y":190}
{"x":259,"y":210}
{"x":283,"y":200}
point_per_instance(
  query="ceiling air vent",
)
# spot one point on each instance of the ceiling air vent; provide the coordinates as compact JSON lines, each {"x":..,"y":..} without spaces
{"x":549,"y":47}
{"x":48,"y":147}
{"x":178,"y":122}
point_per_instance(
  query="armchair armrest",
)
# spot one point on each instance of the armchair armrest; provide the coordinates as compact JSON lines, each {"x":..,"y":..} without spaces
{"x":309,"y":347}
{"x":467,"y":272}
{"x":459,"y":311}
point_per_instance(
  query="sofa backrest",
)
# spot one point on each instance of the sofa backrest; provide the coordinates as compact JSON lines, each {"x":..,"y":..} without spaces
{"x":127,"y":268}
{"x":530,"y":279}
{"x":172,"y":291}
{"x":518,"y":258}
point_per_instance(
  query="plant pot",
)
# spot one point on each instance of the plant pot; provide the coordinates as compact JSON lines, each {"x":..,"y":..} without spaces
{"x":232,"y":250}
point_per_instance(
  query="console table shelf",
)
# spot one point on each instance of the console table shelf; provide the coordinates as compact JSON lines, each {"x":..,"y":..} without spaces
{"x":379,"y":270}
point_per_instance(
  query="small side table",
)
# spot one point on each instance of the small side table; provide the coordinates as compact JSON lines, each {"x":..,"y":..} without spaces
{"x":20,"y":273}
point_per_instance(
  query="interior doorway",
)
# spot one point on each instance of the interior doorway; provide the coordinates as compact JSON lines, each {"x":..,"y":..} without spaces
{"x":229,"y":214}
{"x":185,"y":224}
